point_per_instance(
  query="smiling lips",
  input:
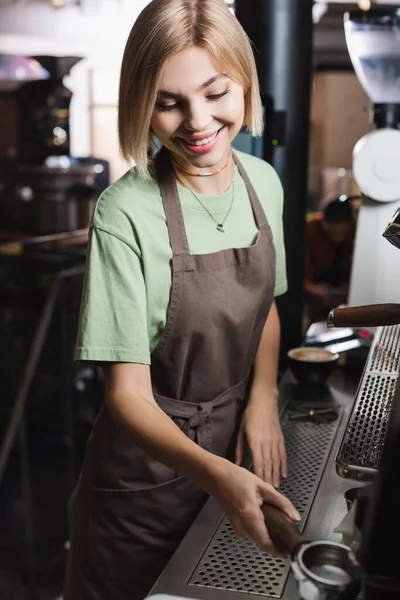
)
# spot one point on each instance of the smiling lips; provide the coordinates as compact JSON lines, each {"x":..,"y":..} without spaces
{"x":202,"y":141}
{"x":200,"y":144}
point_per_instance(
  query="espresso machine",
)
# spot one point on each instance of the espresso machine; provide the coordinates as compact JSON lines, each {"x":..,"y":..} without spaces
{"x":370,"y":448}
{"x":368,"y":566}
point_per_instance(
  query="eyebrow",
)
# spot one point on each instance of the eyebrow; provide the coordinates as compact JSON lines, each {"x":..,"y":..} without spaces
{"x":204,"y":85}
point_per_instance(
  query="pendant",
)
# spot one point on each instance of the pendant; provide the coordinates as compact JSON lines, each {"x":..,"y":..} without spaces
{"x":220,"y":228}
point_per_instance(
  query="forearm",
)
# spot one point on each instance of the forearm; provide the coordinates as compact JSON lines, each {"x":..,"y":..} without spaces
{"x":155,"y":433}
{"x":267,"y":358}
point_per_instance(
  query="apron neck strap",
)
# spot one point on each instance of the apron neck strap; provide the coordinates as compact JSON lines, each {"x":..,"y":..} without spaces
{"x":172,"y":205}
{"x":258,"y":210}
{"x":169,"y":192}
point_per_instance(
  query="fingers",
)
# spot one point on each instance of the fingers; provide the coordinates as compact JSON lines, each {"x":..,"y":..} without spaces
{"x":271,"y":496}
{"x":267,"y":461}
{"x":275,"y":465}
{"x":283,"y":458}
{"x":267,"y":464}
{"x":240,"y":445}
{"x":243,"y":496}
{"x":256,"y":530}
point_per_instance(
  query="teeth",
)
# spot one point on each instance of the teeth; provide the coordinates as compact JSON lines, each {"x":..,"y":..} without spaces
{"x":201,"y":142}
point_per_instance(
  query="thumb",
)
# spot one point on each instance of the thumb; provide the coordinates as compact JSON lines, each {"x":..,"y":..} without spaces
{"x":240,"y":444}
{"x":271,"y":496}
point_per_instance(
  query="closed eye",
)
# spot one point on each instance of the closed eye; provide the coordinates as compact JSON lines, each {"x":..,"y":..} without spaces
{"x":217,"y":96}
{"x":166,"y":106}
{"x":212,"y":97}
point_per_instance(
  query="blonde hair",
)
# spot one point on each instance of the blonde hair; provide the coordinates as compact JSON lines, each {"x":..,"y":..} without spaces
{"x":164,"y":28}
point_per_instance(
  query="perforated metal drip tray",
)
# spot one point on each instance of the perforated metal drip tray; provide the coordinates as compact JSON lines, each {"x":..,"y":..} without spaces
{"x":232,"y":564}
{"x":360,"y":450}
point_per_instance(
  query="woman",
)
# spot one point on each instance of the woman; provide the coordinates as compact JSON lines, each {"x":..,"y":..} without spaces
{"x":178,"y":307}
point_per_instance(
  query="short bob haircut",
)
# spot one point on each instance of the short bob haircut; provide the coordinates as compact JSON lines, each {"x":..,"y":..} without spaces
{"x":164,"y":28}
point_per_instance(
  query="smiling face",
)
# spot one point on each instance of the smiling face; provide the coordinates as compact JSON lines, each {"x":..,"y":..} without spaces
{"x":199,"y":111}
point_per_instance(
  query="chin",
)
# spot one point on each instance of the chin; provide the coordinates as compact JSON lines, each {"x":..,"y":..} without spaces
{"x":210,"y":159}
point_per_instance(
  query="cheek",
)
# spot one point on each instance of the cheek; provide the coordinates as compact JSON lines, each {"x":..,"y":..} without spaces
{"x":163,"y":124}
{"x":233,"y":108}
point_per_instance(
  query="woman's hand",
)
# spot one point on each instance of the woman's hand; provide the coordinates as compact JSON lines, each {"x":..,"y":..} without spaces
{"x":241,"y":495}
{"x":261,"y":428}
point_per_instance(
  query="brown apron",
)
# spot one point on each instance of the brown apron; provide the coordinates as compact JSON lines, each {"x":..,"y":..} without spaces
{"x":129,"y":512}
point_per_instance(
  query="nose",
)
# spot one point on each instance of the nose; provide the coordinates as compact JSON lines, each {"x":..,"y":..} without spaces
{"x":197,"y":118}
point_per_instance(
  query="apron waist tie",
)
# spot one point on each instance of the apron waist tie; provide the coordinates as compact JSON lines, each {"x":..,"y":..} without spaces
{"x":199,"y":414}
{"x":188,"y":410}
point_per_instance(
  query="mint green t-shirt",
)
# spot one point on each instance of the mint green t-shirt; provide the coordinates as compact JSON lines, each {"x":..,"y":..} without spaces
{"x":127,"y":283}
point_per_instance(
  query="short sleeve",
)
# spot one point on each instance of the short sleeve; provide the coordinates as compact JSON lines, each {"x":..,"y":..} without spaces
{"x":113,"y":314}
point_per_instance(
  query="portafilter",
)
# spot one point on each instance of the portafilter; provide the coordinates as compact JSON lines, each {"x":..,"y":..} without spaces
{"x":370,"y":315}
{"x":324,"y":570}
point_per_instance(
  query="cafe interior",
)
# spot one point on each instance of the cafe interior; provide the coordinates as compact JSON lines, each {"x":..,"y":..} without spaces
{"x":330,"y":79}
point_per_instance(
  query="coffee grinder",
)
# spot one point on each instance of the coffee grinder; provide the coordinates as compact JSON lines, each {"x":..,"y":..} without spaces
{"x":373,"y":40}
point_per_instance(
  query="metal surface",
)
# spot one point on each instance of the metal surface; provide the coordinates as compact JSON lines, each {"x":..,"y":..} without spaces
{"x":384,"y":356}
{"x":326,"y":563}
{"x":379,"y":561}
{"x":321,"y":498}
{"x":362,"y":444}
{"x":233,"y":563}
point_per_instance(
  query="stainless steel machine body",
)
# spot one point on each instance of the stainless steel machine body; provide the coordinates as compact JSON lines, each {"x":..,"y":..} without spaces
{"x":361,"y":447}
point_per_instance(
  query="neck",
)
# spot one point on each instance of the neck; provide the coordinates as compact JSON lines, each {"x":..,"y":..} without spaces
{"x":213,"y":185}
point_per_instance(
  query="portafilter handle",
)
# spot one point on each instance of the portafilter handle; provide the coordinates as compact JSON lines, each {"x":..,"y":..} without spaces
{"x":283,"y":532}
{"x":371,"y":315}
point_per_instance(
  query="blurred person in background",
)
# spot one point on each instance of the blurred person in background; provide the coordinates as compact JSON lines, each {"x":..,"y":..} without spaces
{"x":330,"y":235}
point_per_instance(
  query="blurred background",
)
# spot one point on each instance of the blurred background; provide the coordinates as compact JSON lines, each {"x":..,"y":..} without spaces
{"x":59,"y":71}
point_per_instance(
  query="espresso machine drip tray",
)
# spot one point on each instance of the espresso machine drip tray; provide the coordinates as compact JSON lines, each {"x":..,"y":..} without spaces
{"x":360,"y":450}
{"x":233,"y":563}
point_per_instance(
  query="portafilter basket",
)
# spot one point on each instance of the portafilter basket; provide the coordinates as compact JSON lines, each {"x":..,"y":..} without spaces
{"x":324,"y":570}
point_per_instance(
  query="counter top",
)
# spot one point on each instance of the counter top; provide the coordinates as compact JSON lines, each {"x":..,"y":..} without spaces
{"x":212,"y":564}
